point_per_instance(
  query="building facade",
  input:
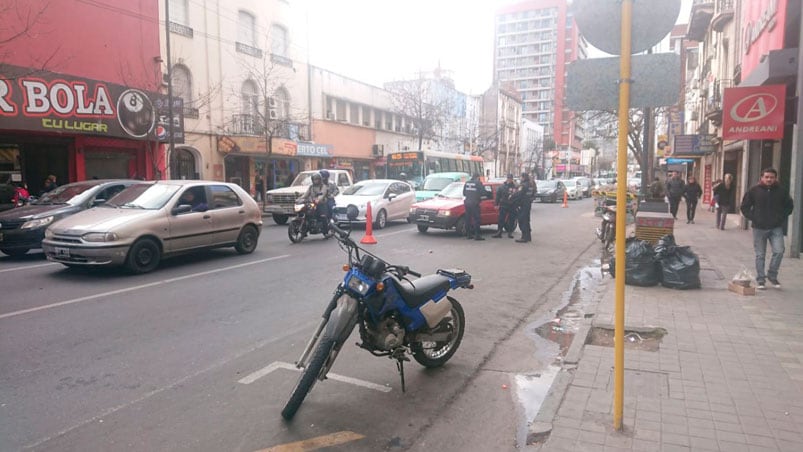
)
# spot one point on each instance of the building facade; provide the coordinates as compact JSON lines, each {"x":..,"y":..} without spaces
{"x":533,"y":42}
{"x":79,"y":92}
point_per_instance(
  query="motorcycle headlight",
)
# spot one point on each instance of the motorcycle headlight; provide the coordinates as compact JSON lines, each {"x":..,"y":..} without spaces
{"x":358,"y":285}
{"x":444,"y":213}
{"x":100,"y":237}
{"x":298,"y":207}
{"x":38,"y":223}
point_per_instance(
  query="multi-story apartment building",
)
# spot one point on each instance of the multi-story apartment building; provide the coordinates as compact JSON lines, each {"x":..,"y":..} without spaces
{"x":77,"y":83}
{"x":750,"y":44}
{"x":500,"y":121}
{"x":533,"y":42}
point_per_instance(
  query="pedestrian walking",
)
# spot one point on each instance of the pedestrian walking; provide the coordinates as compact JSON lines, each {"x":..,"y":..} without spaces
{"x":692,"y":193}
{"x":523,"y":200}
{"x":473,"y":192}
{"x":712,"y":205}
{"x":674,"y":191}
{"x":767,"y":205}
{"x":724,"y":196}
{"x":507,"y":212}
{"x":259,"y":187}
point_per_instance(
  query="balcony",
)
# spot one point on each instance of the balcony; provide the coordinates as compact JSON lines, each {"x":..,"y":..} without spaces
{"x":245,"y":124}
{"x":713,"y":110}
{"x":190,"y":112}
{"x":180,"y":29}
{"x":701,"y":13}
{"x":248,"y":50}
{"x":281,"y":60}
{"x":723,"y":13}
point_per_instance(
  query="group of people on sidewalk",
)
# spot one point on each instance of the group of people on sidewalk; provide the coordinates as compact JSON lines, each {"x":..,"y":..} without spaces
{"x":514,"y":203}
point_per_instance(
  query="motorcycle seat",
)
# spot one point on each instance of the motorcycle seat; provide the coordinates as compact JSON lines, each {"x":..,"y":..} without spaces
{"x":419,"y":291}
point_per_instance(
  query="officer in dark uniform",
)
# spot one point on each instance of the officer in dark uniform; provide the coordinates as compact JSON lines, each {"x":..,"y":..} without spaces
{"x":523,"y":200}
{"x":507,"y":211}
{"x":473,"y":191}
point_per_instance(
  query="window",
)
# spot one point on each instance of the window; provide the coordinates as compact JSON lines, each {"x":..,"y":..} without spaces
{"x":178,"y":12}
{"x":282,"y":99}
{"x":249,"y":98}
{"x":343,"y":180}
{"x":246,"y":29}
{"x":182,"y":83}
{"x":109,"y":192}
{"x":223,"y":196}
{"x":278,"y":45}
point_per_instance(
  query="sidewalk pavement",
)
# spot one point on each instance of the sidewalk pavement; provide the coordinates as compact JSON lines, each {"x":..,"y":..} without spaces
{"x":728,"y":375}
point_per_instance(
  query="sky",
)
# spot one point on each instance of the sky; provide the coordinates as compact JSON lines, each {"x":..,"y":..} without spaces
{"x":377,"y":41}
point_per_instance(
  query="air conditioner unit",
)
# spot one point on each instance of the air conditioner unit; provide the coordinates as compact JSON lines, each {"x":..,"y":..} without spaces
{"x":272,"y":114}
{"x":271,"y":102}
{"x":378,"y":150}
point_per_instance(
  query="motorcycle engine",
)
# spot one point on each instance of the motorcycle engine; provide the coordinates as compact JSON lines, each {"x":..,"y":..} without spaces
{"x":387,"y":335}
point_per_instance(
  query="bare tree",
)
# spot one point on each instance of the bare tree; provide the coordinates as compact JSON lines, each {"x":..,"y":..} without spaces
{"x":635,"y":131}
{"x":23,"y":19}
{"x":424,"y":103}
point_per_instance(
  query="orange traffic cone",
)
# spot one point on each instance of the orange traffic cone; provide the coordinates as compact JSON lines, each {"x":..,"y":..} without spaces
{"x":368,"y":239}
{"x":565,"y":200}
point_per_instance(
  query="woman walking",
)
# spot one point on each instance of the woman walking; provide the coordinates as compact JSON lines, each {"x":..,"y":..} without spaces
{"x":723,"y":193}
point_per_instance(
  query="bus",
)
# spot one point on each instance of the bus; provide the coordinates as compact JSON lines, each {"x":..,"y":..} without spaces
{"x":419,"y":164}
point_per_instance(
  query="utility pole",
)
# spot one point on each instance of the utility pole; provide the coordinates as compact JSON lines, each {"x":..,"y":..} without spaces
{"x":170,"y":139}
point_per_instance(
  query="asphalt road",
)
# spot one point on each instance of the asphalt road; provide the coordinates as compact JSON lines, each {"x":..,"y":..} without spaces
{"x":195,"y":355}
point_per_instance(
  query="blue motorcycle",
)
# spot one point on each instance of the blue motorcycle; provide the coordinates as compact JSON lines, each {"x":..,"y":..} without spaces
{"x":397,"y":317}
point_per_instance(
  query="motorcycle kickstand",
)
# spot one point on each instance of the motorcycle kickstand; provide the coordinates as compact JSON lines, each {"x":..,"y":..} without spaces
{"x":400,"y":367}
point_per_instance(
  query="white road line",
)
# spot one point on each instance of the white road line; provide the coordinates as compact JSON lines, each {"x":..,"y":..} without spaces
{"x":28,"y":267}
{"x":280,"y":365}
{"x":141,"y":286}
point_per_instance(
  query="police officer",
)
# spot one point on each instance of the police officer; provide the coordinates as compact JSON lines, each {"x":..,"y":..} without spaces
{"x":507,"y":211}
{"x":523,"y":200}
{"x":473,"y":191}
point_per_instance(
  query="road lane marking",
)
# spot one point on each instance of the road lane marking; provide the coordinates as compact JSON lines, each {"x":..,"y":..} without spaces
{"x":27,"y":267}
{"x":342,"y":378}
{"x":141,"y":286}
{"x":319,"y":442}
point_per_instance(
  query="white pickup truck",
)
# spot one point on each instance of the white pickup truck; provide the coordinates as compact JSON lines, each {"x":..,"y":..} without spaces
{"x":279,"y":202}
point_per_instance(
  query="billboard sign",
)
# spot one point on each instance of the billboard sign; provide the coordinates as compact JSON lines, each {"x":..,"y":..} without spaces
{"x":753,"y":112}
{"x":693,"y":145}
{"x":43,"y":101}
{"x":763,"y":26}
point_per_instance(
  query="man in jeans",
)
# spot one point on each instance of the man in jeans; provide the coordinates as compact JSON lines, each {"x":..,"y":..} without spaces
{"x":767,"y":206}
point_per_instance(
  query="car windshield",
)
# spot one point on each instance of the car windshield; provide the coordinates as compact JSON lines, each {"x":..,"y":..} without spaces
{"x":436,"y":183}
{"x":144,"y":196}
{"x":72,"y":194}
{"x":453,"y":190}
{"x":544,"y":185}
{"x":569,"y":183}
{"x":366,"y":189}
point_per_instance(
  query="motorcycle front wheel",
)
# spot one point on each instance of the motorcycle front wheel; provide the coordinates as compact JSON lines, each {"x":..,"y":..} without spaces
{"x":308,"y":377}
{"x":294,"y":231}
{"x":435,"y":354}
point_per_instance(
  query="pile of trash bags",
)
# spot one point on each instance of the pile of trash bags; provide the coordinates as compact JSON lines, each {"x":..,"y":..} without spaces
{"x":673,"y":266}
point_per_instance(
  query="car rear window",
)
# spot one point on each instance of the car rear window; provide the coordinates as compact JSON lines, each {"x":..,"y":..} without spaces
{"x":223,"y":196}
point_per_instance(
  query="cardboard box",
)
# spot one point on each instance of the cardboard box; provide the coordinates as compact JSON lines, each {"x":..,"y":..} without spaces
{"x":740,"y":289}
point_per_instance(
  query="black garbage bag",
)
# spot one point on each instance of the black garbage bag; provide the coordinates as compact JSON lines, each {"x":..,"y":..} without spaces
{"x":641,"y":268}
{"x":680,"y":268}
{"x":665,"y":246}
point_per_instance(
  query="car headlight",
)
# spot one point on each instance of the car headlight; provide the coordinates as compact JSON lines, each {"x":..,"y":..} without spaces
{"x":412,"y":209}
{"x":100,"y":237}
{"x":358,"y":285}
{"x":444,"y":213}
{"x":269,"y":198}
{"x":38,"y":223}
{"x":49,"y":233}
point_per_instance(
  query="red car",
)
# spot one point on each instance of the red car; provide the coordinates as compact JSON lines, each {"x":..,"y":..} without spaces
{"x":446,"y":209}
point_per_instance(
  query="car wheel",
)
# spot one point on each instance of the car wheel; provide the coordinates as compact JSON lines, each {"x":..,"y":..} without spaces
{"x":15,"y":252}
{"x":423,"y":228}
{"x":381,"y":219}
{"x":247,"y":241}
{"x":279,"y":218}
{"x":460,"y":226}
{"x":144,"y":256}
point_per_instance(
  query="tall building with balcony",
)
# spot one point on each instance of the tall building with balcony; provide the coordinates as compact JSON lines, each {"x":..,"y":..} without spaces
{"x":533,"y":42}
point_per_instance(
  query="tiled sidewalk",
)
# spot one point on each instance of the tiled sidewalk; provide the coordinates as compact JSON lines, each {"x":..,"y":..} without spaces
{"x":728,"y":375}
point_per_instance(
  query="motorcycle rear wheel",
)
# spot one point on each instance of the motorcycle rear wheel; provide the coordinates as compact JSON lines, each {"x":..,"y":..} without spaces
{"x":294,"y":231}
{"x":435,"y":354}
{"x":308,"y":377}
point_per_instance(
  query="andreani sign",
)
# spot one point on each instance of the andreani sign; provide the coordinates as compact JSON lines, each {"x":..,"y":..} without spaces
{"x":753,"y":113}
{"x":48,"y":102}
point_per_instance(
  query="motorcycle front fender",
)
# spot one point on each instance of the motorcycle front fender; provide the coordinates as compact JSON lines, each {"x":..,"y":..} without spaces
{"x":342,"y":319}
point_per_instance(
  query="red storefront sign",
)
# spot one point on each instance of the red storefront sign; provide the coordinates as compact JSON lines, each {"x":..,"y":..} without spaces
{"x":753,"y":113}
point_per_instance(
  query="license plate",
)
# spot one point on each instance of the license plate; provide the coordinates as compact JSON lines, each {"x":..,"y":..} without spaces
{"x":423,"y":218}
{"x":64,"y":252}
{"x":341,"y":217}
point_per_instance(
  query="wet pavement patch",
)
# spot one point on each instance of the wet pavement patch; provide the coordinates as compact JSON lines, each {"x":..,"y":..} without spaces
{"x":646,"y":340}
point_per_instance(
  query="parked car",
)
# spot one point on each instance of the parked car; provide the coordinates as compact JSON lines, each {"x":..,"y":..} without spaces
{"x":550,"y":190}
{"x":281,"y":202}
{"x":573,"y":188}
{"x":446,"y":209}
{"x":149,"y":221}
{"x":436,"y":182}
{"x":585,"y":185}
{"x":390,"y":200}
{"x":23,"y":228}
